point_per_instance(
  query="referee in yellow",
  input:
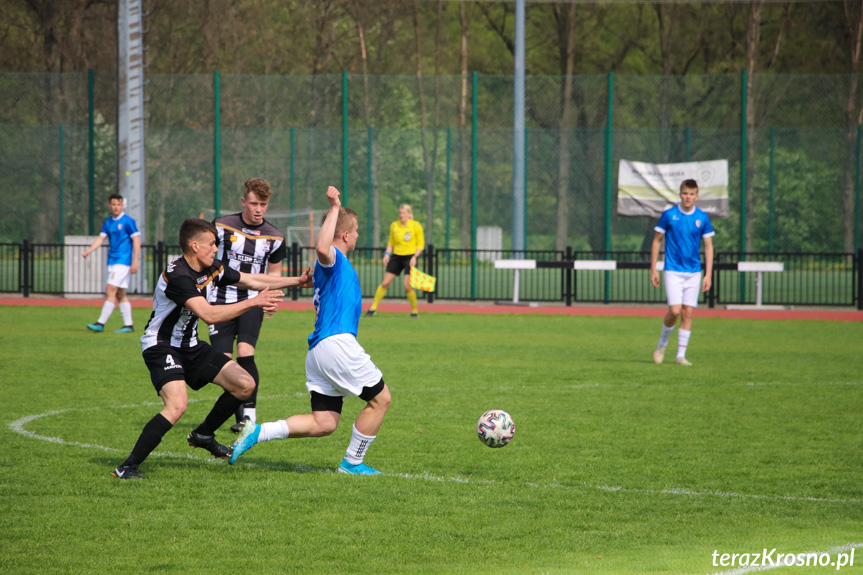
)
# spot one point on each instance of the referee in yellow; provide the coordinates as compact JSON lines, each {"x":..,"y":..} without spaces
{"x":404,"y":247}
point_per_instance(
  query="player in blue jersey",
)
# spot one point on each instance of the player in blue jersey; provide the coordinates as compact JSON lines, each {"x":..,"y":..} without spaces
{"x":125,"y":240}
{"x":684,"y":227}
{"x":336,"y":364}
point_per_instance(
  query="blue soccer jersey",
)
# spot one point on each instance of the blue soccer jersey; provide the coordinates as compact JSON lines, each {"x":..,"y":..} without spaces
{"x":338,"y":300}
{"x":683,"y":234}
{"x":120,"y":232}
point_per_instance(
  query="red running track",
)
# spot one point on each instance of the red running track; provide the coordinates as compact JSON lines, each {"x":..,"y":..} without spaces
{"x":491,"y":308}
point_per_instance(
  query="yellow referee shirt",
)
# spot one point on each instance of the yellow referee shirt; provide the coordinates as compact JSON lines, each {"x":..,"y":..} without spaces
{"x":407,"y":239}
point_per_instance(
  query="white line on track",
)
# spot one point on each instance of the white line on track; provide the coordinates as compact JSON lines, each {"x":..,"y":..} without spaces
{"x":19,"y":426}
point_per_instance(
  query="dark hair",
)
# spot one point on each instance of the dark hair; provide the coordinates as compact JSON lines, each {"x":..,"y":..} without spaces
{"x":690,"y":184}
{"x":115,"y":197}
{"x":259,"y":187}
{"x":191,"y":228}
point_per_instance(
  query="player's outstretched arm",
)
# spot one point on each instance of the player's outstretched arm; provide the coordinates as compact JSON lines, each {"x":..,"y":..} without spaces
{"x":267,"y":299}
{"x":324,"y":242}
{"x":258,"y":282}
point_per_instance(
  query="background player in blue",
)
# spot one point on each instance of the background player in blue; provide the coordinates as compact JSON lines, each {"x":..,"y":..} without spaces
{"x":125,"y":240}
{"x":684,"y":227}
{"x":175,"y":355}
{"x":250,"y":244}
{"x":336,"y":364}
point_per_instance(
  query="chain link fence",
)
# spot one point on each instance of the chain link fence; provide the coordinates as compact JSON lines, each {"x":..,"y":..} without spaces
{"x":444,"y":145}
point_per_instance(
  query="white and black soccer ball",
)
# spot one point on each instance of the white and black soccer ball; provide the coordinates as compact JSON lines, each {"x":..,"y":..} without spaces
{"x":495,"y":428}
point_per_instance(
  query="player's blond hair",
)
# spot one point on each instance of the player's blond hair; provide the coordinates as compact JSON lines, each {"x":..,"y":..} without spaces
{"x":346,"y":220}
{"x":259,"y":187}
{"x":408,"y":209}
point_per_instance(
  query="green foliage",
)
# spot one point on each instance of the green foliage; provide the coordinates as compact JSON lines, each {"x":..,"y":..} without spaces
{"x":617,"y":466}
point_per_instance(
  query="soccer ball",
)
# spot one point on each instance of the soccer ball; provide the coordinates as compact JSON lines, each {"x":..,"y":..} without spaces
{"x":495,"y":428}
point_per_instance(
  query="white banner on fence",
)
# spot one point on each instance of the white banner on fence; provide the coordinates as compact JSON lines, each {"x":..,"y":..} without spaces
{"x":650,"y":189}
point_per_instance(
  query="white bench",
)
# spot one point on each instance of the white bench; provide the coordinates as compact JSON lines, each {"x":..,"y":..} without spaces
{"x":759,"y":268}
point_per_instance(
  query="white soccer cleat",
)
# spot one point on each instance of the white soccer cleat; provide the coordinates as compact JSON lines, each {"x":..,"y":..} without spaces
{"x":658,"y":354}
{"x":682,"y":361}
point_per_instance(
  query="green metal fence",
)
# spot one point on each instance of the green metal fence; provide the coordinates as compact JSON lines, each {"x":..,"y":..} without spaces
{"x":447,"y":150}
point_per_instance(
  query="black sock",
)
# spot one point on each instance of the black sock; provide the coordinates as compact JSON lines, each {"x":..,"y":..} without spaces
{"x":149,"y":439}
{"x":248,"y":363}
{"x":222,"y":410}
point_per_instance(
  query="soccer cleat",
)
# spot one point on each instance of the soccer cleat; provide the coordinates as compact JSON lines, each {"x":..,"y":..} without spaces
{"x":415,"y":315}
{"x":358,"y":469}
{"x":127,"y":472}
{"x":125,"y":329}
{"x":247,"y":439}
{"x":682,"y":361}
{"x":658,"y":354}
{"x":209,"y":443}
{"x":97,"y":327}
{"x":238,"y":427}
{"x":370,"y":313}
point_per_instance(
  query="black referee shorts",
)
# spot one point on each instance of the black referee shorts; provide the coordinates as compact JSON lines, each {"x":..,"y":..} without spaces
{"x":399,"y":263}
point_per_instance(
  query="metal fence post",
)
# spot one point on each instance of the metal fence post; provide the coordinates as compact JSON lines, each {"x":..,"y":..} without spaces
{"x":294,"y":258}
{"x":24,"y":267}
{"x":429,"y":258}
{"x":567,"y":275}
{"x":858,"y":263}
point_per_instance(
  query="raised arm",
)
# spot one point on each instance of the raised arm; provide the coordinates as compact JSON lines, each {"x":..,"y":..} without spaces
{"x":324,"y":242}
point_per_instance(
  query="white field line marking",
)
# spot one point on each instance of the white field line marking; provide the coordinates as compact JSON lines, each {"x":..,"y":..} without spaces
{"x":832,"y":551}
{"x":18,"y":426}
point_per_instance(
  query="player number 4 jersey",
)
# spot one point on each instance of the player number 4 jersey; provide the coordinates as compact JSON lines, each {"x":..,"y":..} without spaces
{"x":171,"y":322}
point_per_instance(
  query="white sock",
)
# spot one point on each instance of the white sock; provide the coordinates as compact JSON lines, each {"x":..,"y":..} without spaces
{"x":251,"y":413}
{"x":682,"y":342}
{"x":666,"y":333}
{"x":357,"y":448}
{"x":273,"y":430}
{"x":107,"y":310}
{"x":126,"y":312}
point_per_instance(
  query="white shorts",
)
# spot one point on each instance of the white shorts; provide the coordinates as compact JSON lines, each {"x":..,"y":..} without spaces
{"x":118,"y":275}
{"x":339,"y":366}
{"x":682,"y":288}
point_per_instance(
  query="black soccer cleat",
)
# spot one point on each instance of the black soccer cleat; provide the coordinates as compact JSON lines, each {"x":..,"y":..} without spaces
{"x":127,"y":472}
{"x":238,"y":427}
{"x":209,"y":443}
{"x":370,"y":313}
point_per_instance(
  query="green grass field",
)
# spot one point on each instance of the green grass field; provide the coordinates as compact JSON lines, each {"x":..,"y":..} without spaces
{"x":617,"y":465}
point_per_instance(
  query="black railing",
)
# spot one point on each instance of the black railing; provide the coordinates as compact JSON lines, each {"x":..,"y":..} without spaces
{"x":808,"y":279}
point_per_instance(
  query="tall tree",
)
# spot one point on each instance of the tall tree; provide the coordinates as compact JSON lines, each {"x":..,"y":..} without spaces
{"x":854,"y":118}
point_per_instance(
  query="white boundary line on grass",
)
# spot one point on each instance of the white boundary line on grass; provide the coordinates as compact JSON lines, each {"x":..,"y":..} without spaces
{"x":19,"y":426}
{"x":832,"y":551}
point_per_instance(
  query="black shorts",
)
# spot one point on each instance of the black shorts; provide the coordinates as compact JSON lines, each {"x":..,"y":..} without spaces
{"x":197,"y":366}
{"x":399,"y":263}
{"x":245,"y":329}
{"x":321,"y":402}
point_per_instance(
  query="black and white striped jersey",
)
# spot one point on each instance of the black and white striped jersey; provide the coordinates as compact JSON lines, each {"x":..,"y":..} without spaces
{"x":248,"y":249}
{"x":171,"y":322}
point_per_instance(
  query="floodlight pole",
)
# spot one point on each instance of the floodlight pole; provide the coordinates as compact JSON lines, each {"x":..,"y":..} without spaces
{"x":518,"y":153}
{"x":130,"y":110}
